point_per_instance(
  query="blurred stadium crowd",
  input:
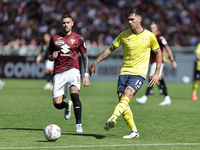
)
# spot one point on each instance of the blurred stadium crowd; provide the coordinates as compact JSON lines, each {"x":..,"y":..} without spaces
{"x":24,"y":22}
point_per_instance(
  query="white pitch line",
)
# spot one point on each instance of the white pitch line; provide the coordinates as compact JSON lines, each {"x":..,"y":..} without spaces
{"x":89,"y":146}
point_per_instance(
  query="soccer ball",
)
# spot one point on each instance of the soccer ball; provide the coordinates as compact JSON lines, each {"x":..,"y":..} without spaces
{"x":186,"y":79}
{"x":52,"y":132}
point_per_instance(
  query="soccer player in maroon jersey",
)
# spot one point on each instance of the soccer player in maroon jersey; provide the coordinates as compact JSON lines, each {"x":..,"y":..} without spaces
{"x":164,"y":48}
{"x":48,"y":64}
{"x":64,"y":48}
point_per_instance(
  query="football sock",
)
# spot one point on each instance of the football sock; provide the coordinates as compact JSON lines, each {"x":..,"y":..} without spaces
{"x":48,"y":77}
{"x":122,"y":106}
{"x":61,"y":105}
{"x":149,"y":88}
{"x":163,"y":87}
{"x":195,"y":86}
{"x":77,"y":107}
{"x":51,"y":77}
{"x":128,"y":118}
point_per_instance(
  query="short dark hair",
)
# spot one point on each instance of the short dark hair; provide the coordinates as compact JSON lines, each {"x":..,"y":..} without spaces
{"x":66,"y":16}
{"x":135,"y":11}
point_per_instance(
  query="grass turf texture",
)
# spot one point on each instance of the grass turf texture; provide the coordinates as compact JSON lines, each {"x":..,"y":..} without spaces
{"x":26,"y":109}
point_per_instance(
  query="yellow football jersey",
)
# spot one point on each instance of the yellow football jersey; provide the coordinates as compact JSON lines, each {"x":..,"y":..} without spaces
{"x":136,"y":50}
{"x":197,"y":51}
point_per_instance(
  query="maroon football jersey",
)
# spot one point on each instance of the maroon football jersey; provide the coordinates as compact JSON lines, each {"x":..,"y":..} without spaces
{"x":162,"y":43}
{"x":69,"y":47}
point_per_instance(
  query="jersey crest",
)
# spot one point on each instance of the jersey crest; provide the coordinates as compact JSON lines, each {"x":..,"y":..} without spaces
{"x":144,"y":40}
{"x":72,"y":41}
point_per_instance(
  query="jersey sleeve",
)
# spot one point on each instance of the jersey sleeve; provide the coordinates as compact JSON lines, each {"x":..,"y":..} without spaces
{"x":82,"y":46}
{"x":51,"y":46}
{"x":154,"y":43}
{"x":118,"y":41}
{"x":41,"y":47}
{"x":163,"y":41}
{"x":197,"y":51}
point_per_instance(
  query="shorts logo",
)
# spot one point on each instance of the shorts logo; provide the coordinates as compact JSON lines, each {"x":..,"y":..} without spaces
{"x":118,"y":87}
{"x":78,"y":79}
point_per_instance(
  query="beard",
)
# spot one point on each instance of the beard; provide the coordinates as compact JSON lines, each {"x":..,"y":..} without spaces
{"x":66,"y":31}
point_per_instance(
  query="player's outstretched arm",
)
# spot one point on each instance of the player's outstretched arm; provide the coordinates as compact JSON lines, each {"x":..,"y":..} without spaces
{"x":174,"y":65}
{"x":155,"y":77}
{"x":38,"y":59}
{"x":86,"y":81}
{"x":101,"y":57}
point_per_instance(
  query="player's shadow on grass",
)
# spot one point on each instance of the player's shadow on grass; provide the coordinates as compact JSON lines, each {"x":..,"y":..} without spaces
{"x":28,"y":129}
{"x":25,"y":129}
{"x":97,"y":136}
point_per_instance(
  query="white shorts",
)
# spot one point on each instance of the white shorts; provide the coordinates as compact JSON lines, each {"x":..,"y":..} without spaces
{"x":153,"y":69}
{"x":62,"y":79}
{"x":49,"y":65}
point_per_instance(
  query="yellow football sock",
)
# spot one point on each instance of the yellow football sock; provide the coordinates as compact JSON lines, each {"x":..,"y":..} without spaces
{"x":128,"y":118}
{"x":195,"y":86}
{"x":121,"y":107}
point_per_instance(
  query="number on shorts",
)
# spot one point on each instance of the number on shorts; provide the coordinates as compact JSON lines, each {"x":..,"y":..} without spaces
{"x":138,"y":84}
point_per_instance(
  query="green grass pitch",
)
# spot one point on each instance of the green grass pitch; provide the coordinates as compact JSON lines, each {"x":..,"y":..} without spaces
{"x":26,"y":109}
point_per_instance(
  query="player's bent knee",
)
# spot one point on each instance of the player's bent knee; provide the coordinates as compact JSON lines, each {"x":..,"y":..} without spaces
{"x":58,"y":105}
{"x":58,"y":99}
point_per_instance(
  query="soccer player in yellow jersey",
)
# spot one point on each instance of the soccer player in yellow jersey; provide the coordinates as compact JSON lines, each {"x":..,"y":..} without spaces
{"x":137,"y":43}
{"x":197,"y":74}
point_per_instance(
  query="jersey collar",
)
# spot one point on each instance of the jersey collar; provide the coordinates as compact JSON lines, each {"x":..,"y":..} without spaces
{"x":140,"y":32}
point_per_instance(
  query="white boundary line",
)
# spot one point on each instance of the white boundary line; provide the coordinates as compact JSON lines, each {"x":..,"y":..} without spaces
{"x":89,"y":146}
